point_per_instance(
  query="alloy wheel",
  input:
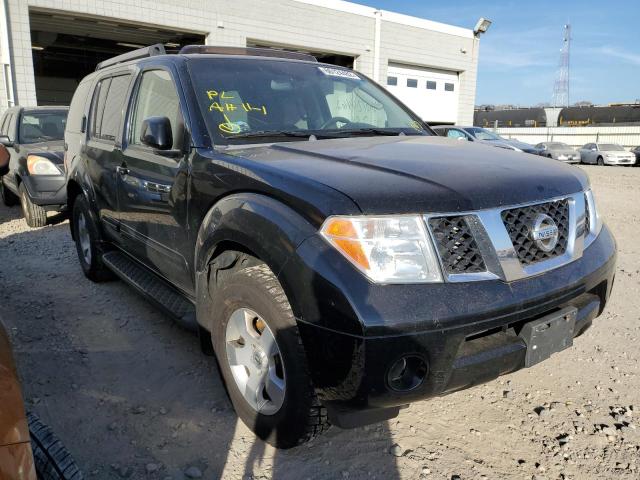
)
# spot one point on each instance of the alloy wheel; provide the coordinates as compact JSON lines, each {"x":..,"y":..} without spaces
{"x":255,"y":361}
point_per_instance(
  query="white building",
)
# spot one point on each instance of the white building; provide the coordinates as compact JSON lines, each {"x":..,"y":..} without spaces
{"x":47,"y":46}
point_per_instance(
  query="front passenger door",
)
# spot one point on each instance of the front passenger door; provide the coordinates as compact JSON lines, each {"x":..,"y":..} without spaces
{"x":152,"y":195}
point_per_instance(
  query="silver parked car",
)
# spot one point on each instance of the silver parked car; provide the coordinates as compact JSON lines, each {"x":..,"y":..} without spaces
{"x":559,"y":151}
{"x":477,"y":134}
{"x":606,"y":154}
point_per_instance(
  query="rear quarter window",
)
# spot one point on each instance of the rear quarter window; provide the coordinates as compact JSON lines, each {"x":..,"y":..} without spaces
{"x":77,"y":108}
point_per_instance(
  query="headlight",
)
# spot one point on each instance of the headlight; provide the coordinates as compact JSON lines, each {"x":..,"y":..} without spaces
{"x":386,"y":249}
{"x":595,"y":221}
{"x":38,"y":165}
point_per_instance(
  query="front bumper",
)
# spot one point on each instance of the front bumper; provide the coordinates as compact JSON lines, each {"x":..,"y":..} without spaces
{"x":619,"y":161}
{"x":353,"y":330}
{"x":46,"y":190}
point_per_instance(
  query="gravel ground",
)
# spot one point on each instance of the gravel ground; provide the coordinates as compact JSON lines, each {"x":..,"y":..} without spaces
{"x":132,"y":397}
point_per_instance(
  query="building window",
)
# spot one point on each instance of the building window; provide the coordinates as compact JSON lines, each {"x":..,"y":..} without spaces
{"x":431,"y":85}
{"x":448,"y":87}
{"x":392,"y":81}
{"x":412,"y":83}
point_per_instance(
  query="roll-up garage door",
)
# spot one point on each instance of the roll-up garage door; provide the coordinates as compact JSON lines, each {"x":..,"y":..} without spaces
{"x":431,"y":93}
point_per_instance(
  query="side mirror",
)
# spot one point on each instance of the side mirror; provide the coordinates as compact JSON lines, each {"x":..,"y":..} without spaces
{"x":5,"y":156}
{"x":4,"y":140}
{"x":156,"y":133}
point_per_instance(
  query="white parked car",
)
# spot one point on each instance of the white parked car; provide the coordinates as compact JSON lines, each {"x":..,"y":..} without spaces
{"x":606,"y":154}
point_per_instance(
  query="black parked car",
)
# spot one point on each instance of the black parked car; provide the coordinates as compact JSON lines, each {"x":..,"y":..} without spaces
{"x":339,"y":258}
{"x":34,"y":139}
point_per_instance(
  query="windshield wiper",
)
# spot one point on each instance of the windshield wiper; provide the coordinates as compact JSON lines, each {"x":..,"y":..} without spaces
{"x":270,"y":133}
{"x":374,"y":131}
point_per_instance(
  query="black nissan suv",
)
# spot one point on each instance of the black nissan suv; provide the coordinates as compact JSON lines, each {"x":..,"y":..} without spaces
{"x":338,"y":258}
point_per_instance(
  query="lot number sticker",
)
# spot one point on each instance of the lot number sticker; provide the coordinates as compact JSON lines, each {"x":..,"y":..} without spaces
{"x":338,"y":72}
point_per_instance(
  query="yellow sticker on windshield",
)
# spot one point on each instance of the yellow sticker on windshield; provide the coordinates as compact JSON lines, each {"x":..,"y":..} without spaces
{"x":226,"y":102}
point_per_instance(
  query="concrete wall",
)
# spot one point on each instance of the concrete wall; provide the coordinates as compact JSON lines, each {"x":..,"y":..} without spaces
{"x":373,"y":37}
{"x":628,"y":137}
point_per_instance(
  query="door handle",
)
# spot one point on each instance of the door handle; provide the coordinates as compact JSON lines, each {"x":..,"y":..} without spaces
{"x":122,"y":171}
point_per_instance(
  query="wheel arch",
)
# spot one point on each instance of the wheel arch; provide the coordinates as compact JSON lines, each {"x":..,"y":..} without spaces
{"x":246,"y":223}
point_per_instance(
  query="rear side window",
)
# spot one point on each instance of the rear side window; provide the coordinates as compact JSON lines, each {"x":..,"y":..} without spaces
{"x":97,"y":106}
{"x":76,"y":110}
{"x":107,"y":106}
{"x":112,"y":116}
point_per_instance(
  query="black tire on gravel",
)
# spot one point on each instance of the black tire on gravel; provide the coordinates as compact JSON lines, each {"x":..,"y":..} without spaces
{"x":52,"y":460}
{"x":301,"y":416}
{"x":600,"y":161}
{"x":8,"y":197}
{"x":35,"y":215}
{"x":93,"y":269}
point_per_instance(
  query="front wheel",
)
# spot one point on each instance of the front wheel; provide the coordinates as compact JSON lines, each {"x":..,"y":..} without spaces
{"x":601,"y":161}
{"x":35,"y":215}
{"x":262,"y":359}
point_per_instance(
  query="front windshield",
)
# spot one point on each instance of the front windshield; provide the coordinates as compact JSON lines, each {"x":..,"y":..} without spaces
{"x":42,"y":126}
{"x":559,"y":146}
{"x":482,"y":134}
{"x":249,"y":100}
{"x":611,"y":147}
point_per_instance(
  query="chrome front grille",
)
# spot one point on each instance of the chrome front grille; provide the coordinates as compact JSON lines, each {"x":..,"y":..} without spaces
{"x":499,"y":244}
{"x":459,"y":252}
{"x":518,"y":223}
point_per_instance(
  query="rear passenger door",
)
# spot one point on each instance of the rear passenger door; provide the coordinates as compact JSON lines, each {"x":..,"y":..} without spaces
{"x":104,"y":145}
{"x":153,"y":183}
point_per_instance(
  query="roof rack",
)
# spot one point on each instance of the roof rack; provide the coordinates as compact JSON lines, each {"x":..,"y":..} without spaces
{"x":248,"y":51}
{"x":151,"y":51}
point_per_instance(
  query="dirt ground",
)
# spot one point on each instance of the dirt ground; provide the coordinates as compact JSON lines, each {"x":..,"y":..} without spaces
{"x":131,"y":395}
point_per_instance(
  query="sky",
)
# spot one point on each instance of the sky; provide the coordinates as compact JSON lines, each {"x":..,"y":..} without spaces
{"x":520,"y":53}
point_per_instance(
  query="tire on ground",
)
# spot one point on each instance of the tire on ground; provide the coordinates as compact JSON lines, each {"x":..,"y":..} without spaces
{"x":52,"y":460}
{"x":8,"y":197}
{"x":92,"y":266}
{"x":301,"y":416}
{"x":35,"y":215}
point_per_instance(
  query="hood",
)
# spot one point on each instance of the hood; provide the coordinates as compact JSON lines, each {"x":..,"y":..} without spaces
{"x":521,"y":145}
{"x":53,"y":149}
{"x":410,"y":174}
{"x":618,"y":153}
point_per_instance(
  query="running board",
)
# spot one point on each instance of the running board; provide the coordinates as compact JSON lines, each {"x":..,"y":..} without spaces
{"x":154,"y":288}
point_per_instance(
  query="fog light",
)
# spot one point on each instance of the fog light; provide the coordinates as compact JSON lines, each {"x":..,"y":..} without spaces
{"x":407,"y":373}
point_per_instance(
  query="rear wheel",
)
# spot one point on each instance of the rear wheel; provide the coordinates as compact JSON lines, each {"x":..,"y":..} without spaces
{"x":35,"y":215}
{"x":52,"y":460}
{"x":8,"y":197}
{"x":600,"y":161}
{"x":89,"y":243}
{"x":262,"y":359}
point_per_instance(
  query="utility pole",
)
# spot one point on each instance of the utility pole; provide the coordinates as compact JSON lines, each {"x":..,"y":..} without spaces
{"x":561,"y":86}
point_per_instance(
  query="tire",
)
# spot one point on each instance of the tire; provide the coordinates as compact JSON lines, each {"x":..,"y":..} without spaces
{"x":8,"y":197}
{"x":89,"y":243}
{"x":52,"y":460}
{"x":300,"y":416}
{"x":35,"y":215}
{"x":600,"y":161}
